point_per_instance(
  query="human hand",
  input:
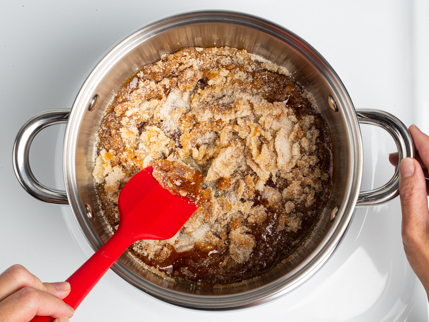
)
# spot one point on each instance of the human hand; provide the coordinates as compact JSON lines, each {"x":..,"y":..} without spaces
{"x":23,"y":296}
{"x":414,"y":189}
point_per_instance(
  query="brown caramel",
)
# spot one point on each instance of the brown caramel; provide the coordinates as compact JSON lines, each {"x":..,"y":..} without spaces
{"x":236,"y":135}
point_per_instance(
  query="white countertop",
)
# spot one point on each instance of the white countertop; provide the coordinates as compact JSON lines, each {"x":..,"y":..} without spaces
{"x":378,"y":48}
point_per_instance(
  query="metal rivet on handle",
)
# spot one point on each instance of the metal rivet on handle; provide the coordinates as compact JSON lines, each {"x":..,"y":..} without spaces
{"x":332,"y":103}
{"x":334,"y":213}
{"x":93,"y":103}
{"x":89,"y":212}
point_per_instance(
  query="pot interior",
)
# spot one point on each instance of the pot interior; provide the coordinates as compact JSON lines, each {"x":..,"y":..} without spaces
{"x":217,"y":29}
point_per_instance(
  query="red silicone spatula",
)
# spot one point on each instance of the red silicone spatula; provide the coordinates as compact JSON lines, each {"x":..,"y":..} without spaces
{"x":147,"y":211}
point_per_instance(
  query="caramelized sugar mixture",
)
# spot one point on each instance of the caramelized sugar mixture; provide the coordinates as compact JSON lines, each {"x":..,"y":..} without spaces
{"x":181,"y":180}
{"x":237,"y":136}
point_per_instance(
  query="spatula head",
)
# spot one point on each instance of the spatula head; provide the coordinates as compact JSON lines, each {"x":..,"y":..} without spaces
{"x":148,"y":211}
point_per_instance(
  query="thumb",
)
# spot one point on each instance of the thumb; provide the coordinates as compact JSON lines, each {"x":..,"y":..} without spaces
{"x":414,"y":202}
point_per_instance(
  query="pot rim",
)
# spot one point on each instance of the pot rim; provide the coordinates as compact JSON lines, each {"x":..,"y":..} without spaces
{"x":344,"y":215}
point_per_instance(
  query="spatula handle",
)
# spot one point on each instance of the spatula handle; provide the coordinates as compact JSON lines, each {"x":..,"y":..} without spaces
{"x":86,"y":277}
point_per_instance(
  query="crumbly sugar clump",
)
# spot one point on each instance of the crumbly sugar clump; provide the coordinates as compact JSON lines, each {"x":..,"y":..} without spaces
{"x":236,"y":133}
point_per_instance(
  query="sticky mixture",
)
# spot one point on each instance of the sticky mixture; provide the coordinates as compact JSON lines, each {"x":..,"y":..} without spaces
{"x":238,"y":136}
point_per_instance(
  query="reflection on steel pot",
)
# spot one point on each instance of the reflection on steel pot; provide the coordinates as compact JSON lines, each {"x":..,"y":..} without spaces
{"x":209,"y":29}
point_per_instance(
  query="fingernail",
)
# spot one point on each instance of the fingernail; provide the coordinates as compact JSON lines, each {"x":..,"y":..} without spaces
{"x":406,"y":168}
{"x":72,"y":310}
{"x":415,"y":127}
{"x":62,"y":286}
{"x":62,"y":319}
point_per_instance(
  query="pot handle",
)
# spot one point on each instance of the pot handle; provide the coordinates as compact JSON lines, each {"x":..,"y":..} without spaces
{"x":21,"y":153}
{"x":404,"y":143}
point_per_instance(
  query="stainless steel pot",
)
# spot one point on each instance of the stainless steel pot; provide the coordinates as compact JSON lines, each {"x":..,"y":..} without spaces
{"x":208,"y":29}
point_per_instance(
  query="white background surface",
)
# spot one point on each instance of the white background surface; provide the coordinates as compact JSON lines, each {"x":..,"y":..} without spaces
{"x":378,"y":48}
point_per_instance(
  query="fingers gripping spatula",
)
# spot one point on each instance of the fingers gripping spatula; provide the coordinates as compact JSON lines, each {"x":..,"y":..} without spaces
{"x":146,"y":211}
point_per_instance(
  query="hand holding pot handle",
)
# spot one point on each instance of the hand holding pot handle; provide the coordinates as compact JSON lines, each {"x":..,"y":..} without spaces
{"x":413,"y":191}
